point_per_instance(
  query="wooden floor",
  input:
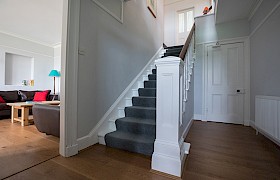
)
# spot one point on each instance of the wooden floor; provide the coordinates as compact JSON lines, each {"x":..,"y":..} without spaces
{"x":23,"y":147}
{"x":218,"y":151}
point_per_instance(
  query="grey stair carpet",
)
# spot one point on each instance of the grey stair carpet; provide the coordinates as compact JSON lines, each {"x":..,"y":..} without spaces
{"x":136,"y":132}
{"x":173,"y":51}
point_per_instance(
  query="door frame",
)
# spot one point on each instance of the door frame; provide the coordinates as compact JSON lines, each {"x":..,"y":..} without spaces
{"x":68,"y":145}
{"x":246,"y":42}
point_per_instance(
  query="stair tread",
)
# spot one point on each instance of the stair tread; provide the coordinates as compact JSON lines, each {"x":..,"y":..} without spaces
{"x":132,"y":137}
{"x":147,"y":97}
{"x":141,"y":107}
{"x":148,"y":88}
{"x":137,"y":120}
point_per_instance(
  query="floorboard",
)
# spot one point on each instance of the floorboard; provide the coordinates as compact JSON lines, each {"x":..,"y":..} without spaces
{"x":218,"y":151}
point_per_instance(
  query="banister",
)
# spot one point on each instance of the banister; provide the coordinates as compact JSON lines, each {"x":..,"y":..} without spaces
{"x":187,"y":44}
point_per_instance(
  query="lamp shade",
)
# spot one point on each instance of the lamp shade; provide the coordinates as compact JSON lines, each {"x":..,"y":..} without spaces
{"x":54,"y":73}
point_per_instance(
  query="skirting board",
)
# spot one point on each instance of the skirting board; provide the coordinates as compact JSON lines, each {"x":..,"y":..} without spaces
{"x":186,"y":131}
{"x":252,"y":124}
{"x":92,"y":137}
{"x":200,"y":117}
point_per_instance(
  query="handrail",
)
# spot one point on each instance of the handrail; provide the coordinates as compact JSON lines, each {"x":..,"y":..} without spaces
{"x":187,"y":44}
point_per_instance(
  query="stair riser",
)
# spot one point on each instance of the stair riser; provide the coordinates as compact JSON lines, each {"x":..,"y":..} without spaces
{"x":152,"y":77}
{"x":141,"y":113}
{"x":171,"y":54}
{"x":144,"y":102}
{"x":142,"y":148}
{"x":137,"y":128}
{"x":173,"y":51}
{"x":147,"y":92}
{"x":150,"y":84}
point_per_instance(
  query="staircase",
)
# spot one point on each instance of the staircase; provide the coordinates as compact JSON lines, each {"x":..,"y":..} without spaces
{"x":137,"y":130}
{"x":173,"y":51}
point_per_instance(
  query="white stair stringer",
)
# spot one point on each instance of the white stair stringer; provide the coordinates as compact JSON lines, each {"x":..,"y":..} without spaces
{"x":107,"y":122}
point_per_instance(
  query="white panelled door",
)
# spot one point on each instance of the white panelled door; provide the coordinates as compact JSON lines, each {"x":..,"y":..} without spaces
{"x":185,"y":21}
{"x":225,"y":83}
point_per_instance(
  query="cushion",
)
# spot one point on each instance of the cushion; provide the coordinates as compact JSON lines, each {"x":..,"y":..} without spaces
{"x":41,"y":96}
{"x":29,"y":95}
{"x":9,"y":96}
{"x":2,"y":100}
{"x":26,"y":95}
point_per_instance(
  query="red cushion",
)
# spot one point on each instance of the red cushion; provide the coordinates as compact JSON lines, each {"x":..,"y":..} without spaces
{"x":41,"y":96}
{"x":2,"y":100}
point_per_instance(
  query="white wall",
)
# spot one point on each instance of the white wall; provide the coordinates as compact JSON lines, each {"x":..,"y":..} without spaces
{"x":170,"y":14}
{"x":207,"y":31}
{"x":265,"y":53}
{"x":43,"y":61}
{"x":114,"y":54}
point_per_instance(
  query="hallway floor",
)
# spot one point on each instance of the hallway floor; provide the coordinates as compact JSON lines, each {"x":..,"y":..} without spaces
{"x":218,"y":151}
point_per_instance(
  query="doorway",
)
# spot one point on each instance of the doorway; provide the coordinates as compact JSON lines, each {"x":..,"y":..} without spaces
{"x":225,"y":83}
{"x":185,"y":19}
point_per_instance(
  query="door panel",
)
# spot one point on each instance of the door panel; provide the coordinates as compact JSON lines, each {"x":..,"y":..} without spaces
{"x":225,"y":76}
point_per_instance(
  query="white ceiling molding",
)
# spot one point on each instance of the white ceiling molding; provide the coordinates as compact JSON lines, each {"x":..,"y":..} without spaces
{"x":120,"y":19}
{"x":169,"y":2}
{"x":28,"y":39}
{"x":254,"y":9}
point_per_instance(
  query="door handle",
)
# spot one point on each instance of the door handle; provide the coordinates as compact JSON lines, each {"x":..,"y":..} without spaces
{"x":240,"y":91}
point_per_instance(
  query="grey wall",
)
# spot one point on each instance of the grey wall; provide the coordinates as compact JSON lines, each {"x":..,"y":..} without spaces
{"x":115,"y":54}
{"x":208,"y":31}
{"x":189,"y":108}
{"x":265,"y":54}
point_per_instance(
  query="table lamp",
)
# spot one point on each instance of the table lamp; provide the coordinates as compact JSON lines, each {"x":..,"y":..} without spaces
{"x":54,"y":73}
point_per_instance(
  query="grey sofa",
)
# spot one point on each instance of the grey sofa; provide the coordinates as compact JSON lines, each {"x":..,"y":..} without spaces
{"x":47,"y":118}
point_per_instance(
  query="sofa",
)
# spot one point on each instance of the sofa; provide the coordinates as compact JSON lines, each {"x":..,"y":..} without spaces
{"x":47,"y":118}
{"x":16,"y":96}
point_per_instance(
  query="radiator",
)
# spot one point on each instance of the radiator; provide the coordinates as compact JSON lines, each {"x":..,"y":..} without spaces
{"x":267,"y":116}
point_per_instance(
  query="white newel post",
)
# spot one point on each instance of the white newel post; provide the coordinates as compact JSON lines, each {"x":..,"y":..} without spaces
{"x":168,"y":156}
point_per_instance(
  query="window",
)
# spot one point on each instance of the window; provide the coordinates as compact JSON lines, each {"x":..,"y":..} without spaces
{"x":185,"y":20}
{"x":181,"y":22}
{"x":189,"y":20}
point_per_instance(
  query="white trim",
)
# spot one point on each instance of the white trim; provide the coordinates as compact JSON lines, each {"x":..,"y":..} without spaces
{"x":265,"y":19}
{"x":246,"y":42}
{"x":186,"y":131}
{"x":29,"y":39}
{"x":252,"y":124}
{"x":216,"y":10}
{"x":69,"y":78}
{"x":268,"y":136}
{"x":254,"y":9}
{"x":247,"y":85}
{"x":57,"y":45}
{"x":109,"y":12}
{"x":223,"y":40}
{"x":27,"y":51}
{"x":167,"y":4}
{"x":199,"y":117}
{"x":101,"y":127}
{"x":200,"y":16}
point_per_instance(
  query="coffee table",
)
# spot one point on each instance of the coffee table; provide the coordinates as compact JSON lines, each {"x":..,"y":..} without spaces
{"x":25,"y":107}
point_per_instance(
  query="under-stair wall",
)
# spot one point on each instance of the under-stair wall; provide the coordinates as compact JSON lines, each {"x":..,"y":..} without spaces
{"x":107,"y":122}
{"x":111,"y":54}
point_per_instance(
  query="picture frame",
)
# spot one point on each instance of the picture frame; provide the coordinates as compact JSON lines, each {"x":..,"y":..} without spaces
{"x":152,"y":6}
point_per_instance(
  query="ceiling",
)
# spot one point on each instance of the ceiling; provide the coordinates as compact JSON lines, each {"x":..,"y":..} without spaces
{"x":36,"y":20}
{"x":229,"y":10}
